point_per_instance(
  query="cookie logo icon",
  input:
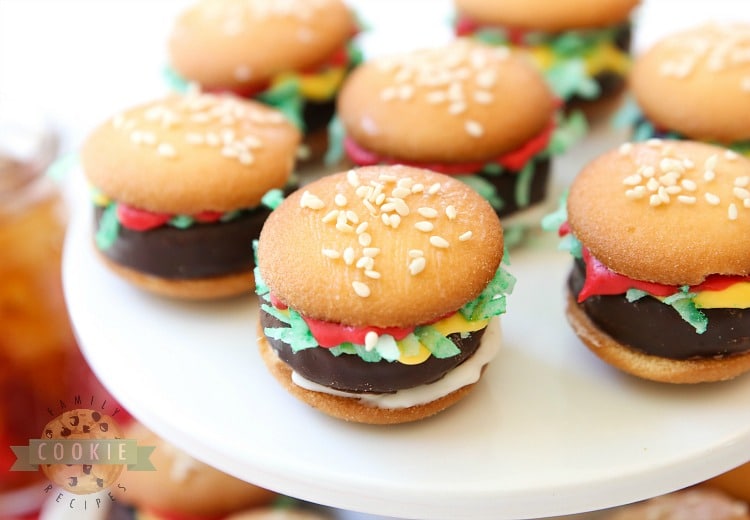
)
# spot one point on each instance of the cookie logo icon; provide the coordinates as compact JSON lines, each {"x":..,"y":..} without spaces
{"x":81,"y":425}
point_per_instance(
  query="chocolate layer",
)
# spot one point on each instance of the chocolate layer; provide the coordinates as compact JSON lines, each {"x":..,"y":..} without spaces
{"x":202,"y":250}
{"x":349,"y":373}
{"x":610,"y":83}
{"x":505,"y":184}
{"x":655,"y":328}
{"x":317,"y":114}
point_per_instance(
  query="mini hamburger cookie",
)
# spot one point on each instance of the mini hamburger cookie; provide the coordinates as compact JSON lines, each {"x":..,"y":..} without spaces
{"x":181,"y":488}
{"x":481,"y":113}
{"x":291,"y":54}
{"x":660,"y":284}
{"x":181,"y":187}
{"x":376,"y":286}
{"x":695,"y":84}
{"x":583,"y":47}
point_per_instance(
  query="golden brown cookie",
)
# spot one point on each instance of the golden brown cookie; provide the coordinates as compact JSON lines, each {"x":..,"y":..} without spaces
{"x":458,"y":103}
{"x":82,"y":424}
{"x":327,"y":251}
{"x":696,"y":82}
{"x":548,"y":15}
{"x":185,"y":154}
{"x":735,"y":482}
{"x":238,"y":44}
{"x":671,"y":212}
{"x":182,"y":485}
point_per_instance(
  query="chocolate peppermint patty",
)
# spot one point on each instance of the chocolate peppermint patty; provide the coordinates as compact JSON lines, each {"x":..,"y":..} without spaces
{"x":655,"y":328}
{"x":202,"y":250}
{"x":610,"y":83}
{"x":350,"y":373}
{"x":506,"y":187}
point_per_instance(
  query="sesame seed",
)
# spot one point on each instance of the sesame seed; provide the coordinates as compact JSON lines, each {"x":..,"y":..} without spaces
{"x":746,"y":203}
{"x":688,"y":164}
{"x":194,"y":138}
{"x":369,"y":207}
{"x":388,"y":93}
{"x":710,"y":163}
{"x":434,"y":188}
{"x":166,"y":150}
{"x":436,"y":96}
{"x":451,"y":212}
{"x":380,"y":198}
{"x":673,"y":190}
{"x":364,"y":239}
{"x":372,"y":274}
{"x":417,"y":188}
{"x":712,"y":199}
{"x":405,"y":92}
{"x":417,"y":265}
{"x":228,"y":151}
{"x":689,"y":185}
{"x":400,"y":192}
{"x":483,"y":97}
{"x":633,"y":194}
{"x":427,"y":212}
{"x":365,"y":262}
{"x":394,"y":220}
{"x":669,"y":179}
{"x":732,"y":211}
{"x":653,"y":143}
{"x":741,"y":193}
{"x":439,"y":242}
{"x":405,"y":183}
{"x":330,"y":216}
{"x":344,"y":227}
{"x":352,"y":217}
{"x":647,"y":171}
{"x":308,"y":200}
{"x":709,"y":175}
{"x":352,"y":178}
{"x":424,"y":226}
{"x":730,"y":155}
{"x":742,"y":182}
{"x":340,"y":199}
{"x":331,"y":253}
{"x":457,"y":107}
{"x":363,"y":191}
{"x":463,"y":237}
{"x":363,"y":291}
{"x":473,"y":128}
{"x":349,"y":256}
{"x":414,"y":253}
{"x":652,"y":184}
{"x":669,"y":164}
{"x":388,"y":207}
{"x":654,"y":200}
{"x":663,"y":195}
{"x":362,"y":228}
{"x":371,"y":251}
{"x":385,"y":219}
{"x":486,"y":78}
{"x":387,"y":178}
{"x":632,"y":180}
{"x":686,"y":199}
{"x":371,"y":339}
{"x":625,"y":148}
{"x":246,"y":158}
{"x":401,"y":207}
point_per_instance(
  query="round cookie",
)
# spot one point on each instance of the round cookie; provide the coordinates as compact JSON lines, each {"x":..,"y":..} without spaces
{"x":696,"y":83}
{"x":299,"y":241}
{"x":182,"y":185}
{"x":243,"y":44}
{"x":695,"y":503}
{"x":463,"y":102}
{"x":735,"y":482}
{"x":650,"y":292}
{"x":378,"y":289}
{"x":182,"y":485}
{"x":548,"y":15}
{"x":82,"y":424}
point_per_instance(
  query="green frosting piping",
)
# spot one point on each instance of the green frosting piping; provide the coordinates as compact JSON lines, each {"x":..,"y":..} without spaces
{"x":181,"y":221}
{"x":272,"y":198}
{"x":552,"y":222}
{"x":522,"y":189}
{"x":568,"y":131}
{"x":336,"y":135}
{"x":174,"y":81}
{"x":682,"y":301}
{"x":492,"y":300}
{"x":438,"y":345}
{"x":109,"y":227}
{"x":485,"y":188}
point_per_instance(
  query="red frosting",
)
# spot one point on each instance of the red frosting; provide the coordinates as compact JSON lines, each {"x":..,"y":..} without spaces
{"x":137,"y":219}
{"x":600,"y":280}
{"x":467,"y":27}
{"x":162,"y":515}
{"x":514,"y":161}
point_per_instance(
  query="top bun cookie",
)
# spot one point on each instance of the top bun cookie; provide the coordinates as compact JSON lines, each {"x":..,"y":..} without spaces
{"x":243,"y":43}
{"x":327,"y":252}
{"x":697,"y":82}
{"x":192,"y":153}
{"x":548,"y":15}
{"x":671,"y":212}
{"x":462,"y":102}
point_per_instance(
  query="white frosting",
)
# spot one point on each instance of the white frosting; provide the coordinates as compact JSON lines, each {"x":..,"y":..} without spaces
{"x":464,"y":374}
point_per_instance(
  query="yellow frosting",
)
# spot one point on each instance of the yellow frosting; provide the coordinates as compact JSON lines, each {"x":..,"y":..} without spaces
{"x":736,"y":296}
{"x":606,"y":57}
{"x":454,"y":323}
{"x":317,"y":86}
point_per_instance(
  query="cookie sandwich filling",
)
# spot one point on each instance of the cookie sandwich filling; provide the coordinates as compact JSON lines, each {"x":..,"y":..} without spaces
{"x":580,"y":64}
{"x":513,"y":181}
{"x":707,"y":320}
{"x":389,"y":367}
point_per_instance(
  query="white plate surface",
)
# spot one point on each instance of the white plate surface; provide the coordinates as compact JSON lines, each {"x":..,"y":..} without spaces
{"x":550,"y":429}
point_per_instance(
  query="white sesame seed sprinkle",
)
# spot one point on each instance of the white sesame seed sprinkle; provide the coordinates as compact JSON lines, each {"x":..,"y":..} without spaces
{"x":400,"y":192}
{"x":741,"y":193}
{"x":363,"y":291}
{"x":434,"y":189}
{"x":344,"y":227}
{"x":712,"y":198}
{"x":375,"y":275}
{"x":730,"y":155}
{"x":364,"y":239}
{"x":439,"y":242}
{"x":371,"y":338}
{"x":331,"y":253}
{"x":632,"y":180}
{"x":417,"y":265}
{"x":688,"y":184}
{"x":709,"y":175}
{"x":427,"y":212}
{"x":417,"y":188}
{"x":450,"y":212}
{"x":633,"y":194}
{"x":474,"y":128}
{"x":352,"y":217}
{"x":308,"y":200}
{"x":653,"y":143}
{"x":372,"y":252}
{"x":732,"y":211}
{"x":654,"y":200}
{"x":625,"y":148}
{"x":365,"y":262}
{"x":340,"y":200}
{"x":652,"y":184}
{"x":647,"y":171}
{"x":352,"y":178}
{"x":742,"y":182}
{"x":414,"y":253}
{"x":424,"y":226}
{"x":686,"y":199}
{"x":710,"y":163}
{"x":463,"y":237}
{"x":349,"y":256}
{"x":330,"y":216}
{"x":394,"y":220}
{"x":746,"y":203}
{"x":166,"y":150}
{"x":361,"y":228}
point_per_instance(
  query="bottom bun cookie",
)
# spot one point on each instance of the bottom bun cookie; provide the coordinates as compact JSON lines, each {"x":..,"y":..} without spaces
{"x":650,"y":367}
{"x":358,"y":410}
{"x":186,"y":289}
